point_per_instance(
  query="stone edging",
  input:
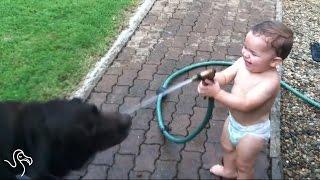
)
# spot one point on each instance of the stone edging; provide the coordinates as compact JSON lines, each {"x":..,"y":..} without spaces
{"x":97,"y":72}
{"x":275,"y":158}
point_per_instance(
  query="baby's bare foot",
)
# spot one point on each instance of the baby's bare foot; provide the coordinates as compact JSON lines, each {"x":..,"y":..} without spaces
{"x":220,"y":171}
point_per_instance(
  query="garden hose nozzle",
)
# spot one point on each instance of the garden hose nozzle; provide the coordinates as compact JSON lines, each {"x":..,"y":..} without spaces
{"x":207,"y":74}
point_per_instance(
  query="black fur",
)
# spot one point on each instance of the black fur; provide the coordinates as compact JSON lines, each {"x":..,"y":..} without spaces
{"x":58,"y":135}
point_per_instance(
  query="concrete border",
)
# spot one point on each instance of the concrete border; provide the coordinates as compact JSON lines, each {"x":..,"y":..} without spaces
{"x":100,"y":67}
{"x":275,"y":148}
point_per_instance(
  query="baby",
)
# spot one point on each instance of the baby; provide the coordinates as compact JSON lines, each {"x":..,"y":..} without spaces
{"x":256,"y":83}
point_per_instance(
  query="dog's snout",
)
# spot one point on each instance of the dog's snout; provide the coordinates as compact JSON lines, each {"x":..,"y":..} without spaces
{"x":125,"y":121}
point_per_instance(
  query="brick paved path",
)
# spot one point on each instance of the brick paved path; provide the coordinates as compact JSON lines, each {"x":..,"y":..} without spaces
{"x":175,"y":33}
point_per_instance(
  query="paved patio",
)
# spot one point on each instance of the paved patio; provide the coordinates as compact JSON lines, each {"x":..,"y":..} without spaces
{"x":174,"y":34}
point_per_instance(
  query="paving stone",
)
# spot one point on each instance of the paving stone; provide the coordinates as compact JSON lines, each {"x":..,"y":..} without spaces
{"x":212,"y":155}
{"x":185,"y":104}
{"x":201,"y":102}
{"x":202,"y":56}
{"x":143,"y":51}
{"x":215,"y":131}
{"x":150,"y":100}
{"x":106,"y":83}
{"x":240,"y":27}
{"x":173,"y":96}
{"x":145,"y":161}
{"x":96,"y":172}
{"x":199,"y":27}
{"x":173,"y":53}
{"x":205,"y":46}
{"x":226,"y":29}
{"x":139,"y":87}
{"x":197,"y":143}
{"x":153,"y":135}
{"x":149,"y":19}
{"x":129,"y":102}
{"x":223,"y":40}
{"x":157,"y":81}
{"x":165,"y":170}
{"x":160,"y":47}
{"x":212,"y":31}
{"x":122,"y":166}
{"x":139,"y":175}
{"x":126,"y":54}
{"x":120,"y":89}
{"x":170,"y":151}
{"x":131,"y":144}
{"x":105,"y":157}
{"x":220,"y":112}
{"x":190,"y":49}
{"x":197,"y":117}
{"x":147,"y":72}
{"x":109,"y":107}
{"x":142,"y":119}
{"x":167,"y":42}
{"x":155,"y":57}
{"x":189,"y":165}
{"x":180,"y":124}
{"x":115,"y":98}
{"x":235,"y":50}
{"x":139,"y":59}
{"x":184,"y":30}
{"x":134,"y":65}
{"x":127,"y":77}
{"x":179,"y":41}
{"x":219,"y":52}
{"x":97,"y":99}
{"x":184,"y":60}
{"x":168,"y":108}
{"x":190,"y":90}
{"x":112,"y":70}
{"x":261,"y":166}
{"x":189,"y":20}
{"x":194,"y":38}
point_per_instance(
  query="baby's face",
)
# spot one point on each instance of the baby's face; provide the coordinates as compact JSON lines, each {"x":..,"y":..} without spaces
{"x":257,"y":54}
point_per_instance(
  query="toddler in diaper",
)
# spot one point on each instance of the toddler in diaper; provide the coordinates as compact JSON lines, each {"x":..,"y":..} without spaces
{"x":256,"y":84}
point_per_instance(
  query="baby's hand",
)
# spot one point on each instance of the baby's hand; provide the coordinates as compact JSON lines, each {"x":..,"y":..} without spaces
{"x":209,"y":88}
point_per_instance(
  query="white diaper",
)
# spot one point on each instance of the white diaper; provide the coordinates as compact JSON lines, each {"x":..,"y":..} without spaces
{"x":237,"y":131}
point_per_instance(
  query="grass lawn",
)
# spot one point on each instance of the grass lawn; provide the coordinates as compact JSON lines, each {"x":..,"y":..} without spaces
{"x":48,"y":46}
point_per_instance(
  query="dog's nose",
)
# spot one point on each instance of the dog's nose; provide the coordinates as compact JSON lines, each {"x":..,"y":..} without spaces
{"x":125,"y":121}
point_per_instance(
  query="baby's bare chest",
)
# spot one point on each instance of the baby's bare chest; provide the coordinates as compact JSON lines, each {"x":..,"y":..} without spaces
{"x":245,"y":81}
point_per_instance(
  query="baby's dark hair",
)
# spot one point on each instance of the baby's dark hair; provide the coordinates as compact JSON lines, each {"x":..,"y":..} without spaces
{"x":281,"y":37}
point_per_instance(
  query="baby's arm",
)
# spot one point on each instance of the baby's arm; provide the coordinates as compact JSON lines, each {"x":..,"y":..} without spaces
{"x":253,"y":99}
{"x":228,"y":74}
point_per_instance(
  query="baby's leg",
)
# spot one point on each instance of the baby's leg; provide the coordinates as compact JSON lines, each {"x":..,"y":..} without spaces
{"x":247,"y":151}
{"x":228,"y":170}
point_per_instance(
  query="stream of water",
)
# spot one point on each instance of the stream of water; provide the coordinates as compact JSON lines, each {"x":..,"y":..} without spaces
{"x":154,"y":98}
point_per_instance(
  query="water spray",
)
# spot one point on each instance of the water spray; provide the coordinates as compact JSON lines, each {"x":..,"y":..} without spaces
{"x":207,"y":74}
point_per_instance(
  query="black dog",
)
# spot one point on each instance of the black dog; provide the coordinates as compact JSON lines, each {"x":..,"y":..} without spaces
{"x":46,"y":140}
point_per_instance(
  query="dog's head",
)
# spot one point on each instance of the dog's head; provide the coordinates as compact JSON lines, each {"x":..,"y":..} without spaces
{"x":83,"y":126}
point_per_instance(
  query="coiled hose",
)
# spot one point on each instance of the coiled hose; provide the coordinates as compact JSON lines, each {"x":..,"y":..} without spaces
{"x":197,"y":130}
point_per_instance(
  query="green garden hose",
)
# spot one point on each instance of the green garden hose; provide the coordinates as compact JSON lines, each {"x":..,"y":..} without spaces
{"x":197,"y":130}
